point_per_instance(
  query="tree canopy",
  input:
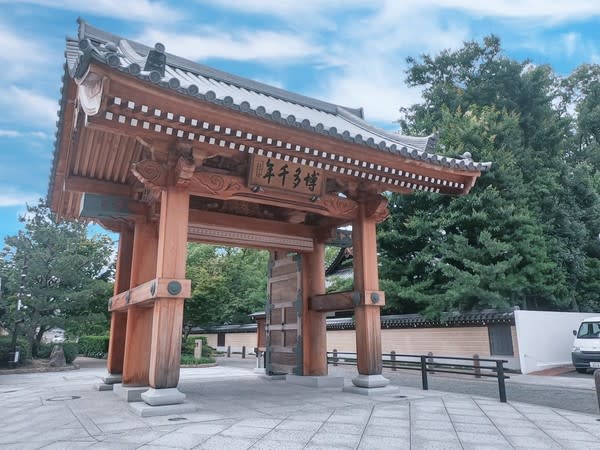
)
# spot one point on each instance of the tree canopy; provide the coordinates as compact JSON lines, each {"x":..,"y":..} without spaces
{"x":61,"y":276}
{"x":527,"y":234}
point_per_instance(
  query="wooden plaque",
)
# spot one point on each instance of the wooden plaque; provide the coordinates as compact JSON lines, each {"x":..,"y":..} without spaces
{"x":286,"y":176}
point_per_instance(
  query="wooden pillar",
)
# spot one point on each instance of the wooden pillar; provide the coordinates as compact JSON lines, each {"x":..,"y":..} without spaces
{"x":314,"y":325}
{"x":168,"y":313}
{"x":118,"y":319}
{"x":366,"y":285}
{"x":139,"y":318}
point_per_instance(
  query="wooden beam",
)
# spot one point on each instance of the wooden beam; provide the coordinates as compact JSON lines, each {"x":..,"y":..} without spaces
{"x":250,"y":224}
{"x":150,"y":291}
{"x":118,"y":319}
{"x":314,"y":323}
{"x":75,"y":183}
{"x":337,"y":301}
{"x":167,"y":100}
{"x":366,"y":283}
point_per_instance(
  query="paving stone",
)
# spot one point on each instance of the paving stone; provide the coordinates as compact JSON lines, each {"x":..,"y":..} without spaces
{"x":464,"y":411}
{"x":481,"y":420}
{"x":433,"y":424}
{"x":265,"y":444}
{"x":520,"y":431}
{"x":185,"y":440}
{"x":579,"y":445}
{"x":533,"y":442}
{"x":475,"y":428}
{"x":289,"y":435}
{"x":227,"y":443}
{"x":374,"y":430}
{"x":261,"y":423}
{"x":384,"y":443}
{"x":244,"y":432}
{"x":435,"y":445}
{"x":347,"y":428}
{"x":335,"y":439}
{"x":572,"y":435}
{"x":482,"y":438}
{"x":439,"y":435}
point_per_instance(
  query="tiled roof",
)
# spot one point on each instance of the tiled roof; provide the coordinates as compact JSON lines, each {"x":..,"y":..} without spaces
{"x":250,"y":97}
{"x":418,"y":321}
{"x":456,"y":319}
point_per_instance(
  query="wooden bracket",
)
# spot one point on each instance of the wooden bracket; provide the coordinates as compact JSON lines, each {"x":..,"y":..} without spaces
{"x":150,"y":291}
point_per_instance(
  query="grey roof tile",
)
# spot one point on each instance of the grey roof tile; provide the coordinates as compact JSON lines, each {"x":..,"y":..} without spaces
{"x":251,"y":97}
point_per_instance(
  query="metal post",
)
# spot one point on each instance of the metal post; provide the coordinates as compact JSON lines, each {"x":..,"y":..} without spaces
{"x":424,"y":373}
{"x":335,"y":357}
{"x":229,"y":351}
{"x":477,"y":365}
{"x":243,"y":352}
{"x":393,"y":358}
{"x":501,"y":385}
{"x":430,"y":360}
{"x":597,"y":383}
{"x":15,"y":351}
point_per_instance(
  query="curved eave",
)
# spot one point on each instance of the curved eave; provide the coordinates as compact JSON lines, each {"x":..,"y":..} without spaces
{"x":189,"y":84}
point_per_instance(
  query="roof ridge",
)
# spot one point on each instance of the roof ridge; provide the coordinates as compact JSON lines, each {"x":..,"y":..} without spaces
{"x":90,"y":31}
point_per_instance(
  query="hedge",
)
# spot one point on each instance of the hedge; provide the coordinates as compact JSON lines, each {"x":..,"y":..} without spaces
{"x":6,"y":348}
{"x":93,"y":346}
{"x":188,"y":344}
{"x":190,"y":360}
{"x":71,"y":350}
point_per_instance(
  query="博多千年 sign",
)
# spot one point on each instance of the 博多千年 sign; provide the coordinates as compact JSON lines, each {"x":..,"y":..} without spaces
{"x":285,"y":175}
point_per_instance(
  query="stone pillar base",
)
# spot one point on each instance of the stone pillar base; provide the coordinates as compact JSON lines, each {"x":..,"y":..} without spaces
{"x":316,"y":381}
{"x":112,"y":378}
{"x":144,"y":410}
{"x":370,"y":381}
{"x":129,"y":393}
{"x":161,"y":397}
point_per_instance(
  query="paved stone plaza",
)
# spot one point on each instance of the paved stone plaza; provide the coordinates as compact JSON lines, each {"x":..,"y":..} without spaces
{"x":238,"y":409}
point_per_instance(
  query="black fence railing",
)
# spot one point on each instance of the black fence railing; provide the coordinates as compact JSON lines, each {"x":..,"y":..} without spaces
{"x":426,"y":364}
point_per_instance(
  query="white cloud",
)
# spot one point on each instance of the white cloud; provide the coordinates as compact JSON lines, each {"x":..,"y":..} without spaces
{"x":16,"y":134}
{"x":261,"y":45}
{"x":570,"y":42}
{"x":28,"y":108}
{"x":131,"y":10}
{"x":551,"y":11}
{"x":10,"y":133}
{"x":20,"y":56}
{"x":9,"y":196}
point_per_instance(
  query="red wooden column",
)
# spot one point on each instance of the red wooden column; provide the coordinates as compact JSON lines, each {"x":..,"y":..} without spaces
{"x":368,"y":300}
{"x":167,"y":319}
{"x":314,"y":325}
{"x":139,"y":318}
{"x":118,"y":319}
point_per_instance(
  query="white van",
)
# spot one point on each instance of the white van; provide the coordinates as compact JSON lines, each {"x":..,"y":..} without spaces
{"x":586,"y":346}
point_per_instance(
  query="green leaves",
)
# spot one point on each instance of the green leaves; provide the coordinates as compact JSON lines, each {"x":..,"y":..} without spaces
{"x":62,"y":276}
{"x":527,"y":234}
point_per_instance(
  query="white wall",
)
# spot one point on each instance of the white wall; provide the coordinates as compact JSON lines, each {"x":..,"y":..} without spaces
{"x":545,"y":338}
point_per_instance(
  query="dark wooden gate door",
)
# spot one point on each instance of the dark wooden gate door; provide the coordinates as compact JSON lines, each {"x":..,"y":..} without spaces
{"x":283,"y":311}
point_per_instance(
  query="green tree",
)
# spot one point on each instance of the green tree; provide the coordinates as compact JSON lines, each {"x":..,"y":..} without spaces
{"x":227,"y":284}
{"x":66,"y":275}
{"x":526,"y":234}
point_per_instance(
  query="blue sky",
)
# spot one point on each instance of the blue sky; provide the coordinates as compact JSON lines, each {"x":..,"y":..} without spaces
{"x":350,"y":52}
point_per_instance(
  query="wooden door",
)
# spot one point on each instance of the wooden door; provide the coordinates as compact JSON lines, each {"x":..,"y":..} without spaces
{"x":284,"y":316}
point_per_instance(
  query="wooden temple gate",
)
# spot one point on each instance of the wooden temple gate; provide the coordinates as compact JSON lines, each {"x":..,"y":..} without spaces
{"x":164,"y":151}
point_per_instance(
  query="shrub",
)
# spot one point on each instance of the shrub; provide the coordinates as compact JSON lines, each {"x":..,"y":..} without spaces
{"x":187,"y":345}
{"x":71,"y":350}
{"x":93,"y":346}
{"x":44,"y":350}
{"x":6,"y":348}
{"x":190,"y":360}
